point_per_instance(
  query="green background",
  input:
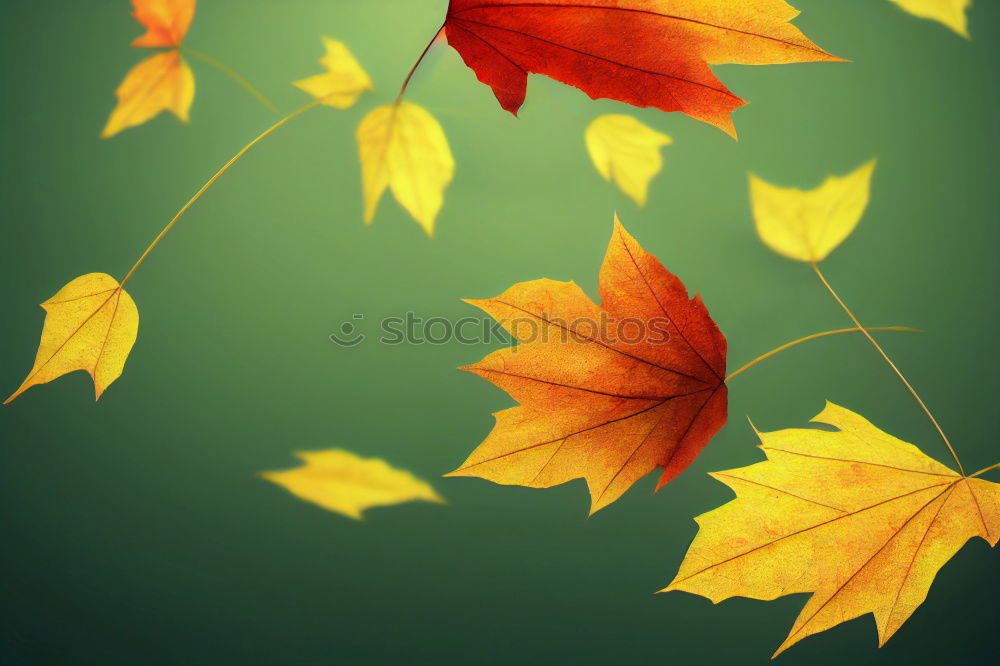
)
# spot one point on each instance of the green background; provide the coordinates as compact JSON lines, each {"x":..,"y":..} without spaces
{"x":136,"y":532}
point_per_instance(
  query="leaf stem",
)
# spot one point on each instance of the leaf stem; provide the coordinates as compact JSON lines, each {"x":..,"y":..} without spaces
{"x":985,"y":469}
{"x":231,"y":73}
{"x":813,"y":337}
{"x":210,"y":182}
{"x":892,"y":365}
{"x":413,"y":70}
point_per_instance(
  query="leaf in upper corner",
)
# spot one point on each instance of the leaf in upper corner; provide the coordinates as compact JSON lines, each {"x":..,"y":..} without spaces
{"x":643,"y":52}
{"x":402,"y":146}
{"x":809,"y":225}
{"x":343,"y":482}
{"x":166,"y":22}
{"x":626,"y":152}
{"x":607,"y":392}
{"x":952,"y":13}
{"x":858,"y":518}
{"x":162,"y":82}
{"x":90,"y":324}
{"x":344,"y":81}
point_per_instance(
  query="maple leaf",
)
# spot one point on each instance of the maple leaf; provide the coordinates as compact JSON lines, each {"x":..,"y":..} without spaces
{"x":344,"y":81}
{"x":809,"y":225}
{"x":643,"y":52}
{"x":626,"y":152}
{"x":161,"y":82}
{"x":402,"y":146}
{"x":343,"y":482}
{"x":608,"y":393}
{"x":952,"y":13}
{"x":90,"y":324}
{"x":858,"y":518}
{"x":166,"y":22}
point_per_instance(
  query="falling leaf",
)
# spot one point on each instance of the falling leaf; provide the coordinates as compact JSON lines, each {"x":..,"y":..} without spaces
{"x":90,"y":324}
{"x":808,"y":226}
{"x":402,"y":146}
{"x":643,"y":52}
{"x":858,"y":518}
{"x":343,"y":482}
{"x":345,"y":80}
{"x":166,"y":22}
{"x":952,"y":13}
{"x":626,"y":152}
{"x":608,"y":393}
{"x":160,"y":83}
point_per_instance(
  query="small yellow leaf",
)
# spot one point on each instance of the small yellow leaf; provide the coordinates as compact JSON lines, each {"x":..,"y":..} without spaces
{"x":343,"y":482}
{"x":90,"y":324}
{"x":951,"y":13}
{"x":860,"y":519}
{"x":808,"y":226}
{"x":159,"y":83}
{"x":344,"y":81}
{"x":626,"y":152}
{"x":402,"y":146}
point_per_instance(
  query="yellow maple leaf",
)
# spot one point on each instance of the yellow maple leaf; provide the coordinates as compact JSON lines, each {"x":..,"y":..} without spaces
{"x":159,"y":83}
{"x":952,"y":13}
{"x":90,"y":324}
{"x":343,"y":482}
{"x":809,"y":225}
{"x":858,"y":518}
{"x":344,"y":81}
{"x":402,"y":146}
{"x":626,"y":152}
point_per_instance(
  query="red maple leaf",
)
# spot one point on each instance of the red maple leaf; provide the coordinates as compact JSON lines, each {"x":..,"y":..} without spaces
{"x":643,"y":52}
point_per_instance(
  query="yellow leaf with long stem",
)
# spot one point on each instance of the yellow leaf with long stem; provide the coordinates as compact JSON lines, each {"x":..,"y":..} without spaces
{"x":952,"y":13}
{"x":626,"y":152}
{"x":858,"y":518}
{"x":344,"y":81}
{"x":809,"y":225}
{"x":343,"y":482}
{"x":162,"y":82}
{"x":403,"y":147}
{"x":90,"y":324}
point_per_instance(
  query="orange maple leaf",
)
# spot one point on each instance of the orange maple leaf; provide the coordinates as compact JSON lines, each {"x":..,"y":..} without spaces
{"x":608,"y":392}
{"x":166,"y":22}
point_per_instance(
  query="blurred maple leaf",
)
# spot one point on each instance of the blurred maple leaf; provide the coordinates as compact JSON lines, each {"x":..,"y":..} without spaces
{"x":161,"y":82}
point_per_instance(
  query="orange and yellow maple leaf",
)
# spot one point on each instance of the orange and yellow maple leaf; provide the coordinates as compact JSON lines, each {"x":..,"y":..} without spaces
{"x":162,"y":82}
{"x":607,"y":392}
{"x":860,"y":519}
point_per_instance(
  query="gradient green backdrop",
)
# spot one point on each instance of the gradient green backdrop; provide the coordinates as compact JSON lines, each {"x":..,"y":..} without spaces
{"x":135,"y":531}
